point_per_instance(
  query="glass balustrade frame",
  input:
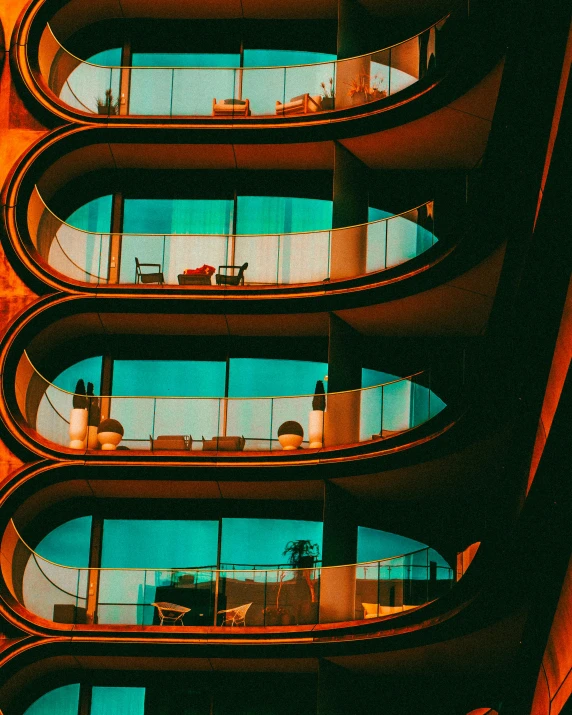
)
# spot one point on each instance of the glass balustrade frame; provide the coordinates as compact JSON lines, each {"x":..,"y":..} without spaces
{"x":269,"y":597}
{"x":207,"y":425}
{"x":304,"y":90}
{"x":278,"y":259}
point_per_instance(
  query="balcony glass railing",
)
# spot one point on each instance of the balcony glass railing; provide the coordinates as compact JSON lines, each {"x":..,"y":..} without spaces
{"x":234,"y":92}
{"x":233,"y":424}
{"x":211,"y":596}
{"x":273,"y":259}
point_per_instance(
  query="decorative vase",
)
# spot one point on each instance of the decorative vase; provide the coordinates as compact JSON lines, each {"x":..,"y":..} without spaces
{"x":78,"y":428}
{"x":290,"y":435}
{"x":109,"y":434}
{"x":316,"y":429}
{"x":93,"y":418}
{"x":92,"y":441}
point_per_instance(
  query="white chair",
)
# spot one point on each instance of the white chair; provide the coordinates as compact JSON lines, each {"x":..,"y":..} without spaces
{"x":235,"y":616}
{"x":170,"y":612}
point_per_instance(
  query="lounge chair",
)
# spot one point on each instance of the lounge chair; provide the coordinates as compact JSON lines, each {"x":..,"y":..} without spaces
{"x":302,"y":104}
{"x":224,"y":279}
{"x":140,"y":277}
{"x":231,"y":107}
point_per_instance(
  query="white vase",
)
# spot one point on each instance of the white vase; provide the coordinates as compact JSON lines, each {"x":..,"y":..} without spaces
{"x":92,"y":441}
{"x":316,"y":429}
{"x":290,"y":441}
{"x":78,"y":428}
{"x":109,"y":440}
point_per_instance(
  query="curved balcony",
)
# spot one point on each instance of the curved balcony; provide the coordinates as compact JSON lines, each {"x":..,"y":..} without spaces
{"x":271,"y":260}
{"x":211,"y":597}
{"x":208,"y":427}
{"x":301,"y":91}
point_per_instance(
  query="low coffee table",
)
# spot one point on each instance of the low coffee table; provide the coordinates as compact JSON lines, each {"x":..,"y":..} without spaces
{"x":200,"y":280}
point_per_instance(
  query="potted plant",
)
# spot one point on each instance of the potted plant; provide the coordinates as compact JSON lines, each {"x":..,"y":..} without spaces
{"x":316,"y":419}
{"x":107,"y":105}
{"x":328,"y":94}
{"x":365,"y":88}
{"x":93,"y":417}
{"x":78,"y":417}
{"x":302,"y":554}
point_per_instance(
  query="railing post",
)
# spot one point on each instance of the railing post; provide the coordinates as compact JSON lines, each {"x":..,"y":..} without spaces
{"x":389,"y":77}
{"x":378,"y":584}
{"x":172,"y":91}
{"x":427,"y":574}
{"x":271,"y":420}
{"x":154,"y":412}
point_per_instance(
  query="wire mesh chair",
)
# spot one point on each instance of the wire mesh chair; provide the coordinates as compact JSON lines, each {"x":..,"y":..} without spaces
{"x":170,"y":612}
{"x":235,"y":616}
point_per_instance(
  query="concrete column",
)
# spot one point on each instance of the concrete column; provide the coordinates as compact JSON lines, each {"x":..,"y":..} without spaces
{"x":342,"y":415}
{"x":116,"y":237}
{"x":125,"y":77}
{"x":350,"y":209}
{"x":339,"y":549}
{"x":95,"y":547}
{"x":354,"y":23}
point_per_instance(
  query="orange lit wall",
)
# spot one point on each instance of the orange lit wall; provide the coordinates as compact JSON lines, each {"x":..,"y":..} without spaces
{"x":554,"y":685}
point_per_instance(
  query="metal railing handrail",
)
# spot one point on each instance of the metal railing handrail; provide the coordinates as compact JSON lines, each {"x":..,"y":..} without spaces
{"x":230,"y":233}
{"x":242,"y":69}
{"x":219,"y":571}
{"x":229,"y":399}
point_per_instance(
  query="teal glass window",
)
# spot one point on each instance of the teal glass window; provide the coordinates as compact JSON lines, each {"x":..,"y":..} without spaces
{"x":47,"y":582}
{"x":374,"y":544}
{"x":93,"y":216}
{"x":185,"y":216}
{"x":194,"y":219}
{"x":159,"y":543}
{"x":80,"y":250}
{"x":260,"y":419}
{"x":282,"y":214}
{"x":68,"y":544}
{"x":180,"y":83}
{"x":262,"y":541}
{"x":184,"y":59}
{"x":88,"y":370}
{"x":279,"y":58}
{"x":61,"y":701}
{"x":377,"y":214}
{"x":168,"y":378}
{"x":256,"y":377}
{"x":117,"y":701}
{"x":150,"y":551}
{"x":90,"y":80}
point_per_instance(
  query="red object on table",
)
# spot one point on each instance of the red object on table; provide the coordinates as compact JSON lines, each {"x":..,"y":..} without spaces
{"x":204,"y":270}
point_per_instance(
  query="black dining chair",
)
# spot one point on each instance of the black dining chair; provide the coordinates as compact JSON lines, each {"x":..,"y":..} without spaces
{"x":238,"y":279}
{"x":140,"y":277}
